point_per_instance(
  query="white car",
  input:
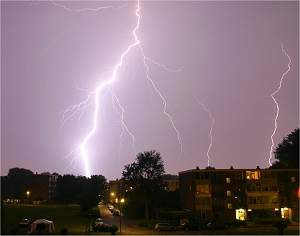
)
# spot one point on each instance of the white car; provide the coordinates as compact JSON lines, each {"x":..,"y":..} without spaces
{"x":110,"y":207}
{"x":98,"y":222}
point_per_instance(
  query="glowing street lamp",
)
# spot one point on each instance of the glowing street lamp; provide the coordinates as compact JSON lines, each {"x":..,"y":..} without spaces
{"x":122,"y":201}
{"x":112,"y":194}
{"x":27,"y":193}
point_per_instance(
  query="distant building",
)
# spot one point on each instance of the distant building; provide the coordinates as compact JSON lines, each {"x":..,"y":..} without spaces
{"x":171,"y":182}
{"x":240,"y":193}
{"x":117,"y":190}
{"x":43,"y":187}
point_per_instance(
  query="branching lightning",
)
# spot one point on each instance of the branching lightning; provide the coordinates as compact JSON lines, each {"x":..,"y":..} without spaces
{"x":212,"y":123}
{"x":276,"y":103}
{"x":108,"y":83}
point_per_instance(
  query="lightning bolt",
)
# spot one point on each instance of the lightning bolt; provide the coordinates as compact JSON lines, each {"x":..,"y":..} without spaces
{"x":212,"y":123}
{"x":163,"y":99}
{"x":276,"y":103}
{"x":108,"y":83}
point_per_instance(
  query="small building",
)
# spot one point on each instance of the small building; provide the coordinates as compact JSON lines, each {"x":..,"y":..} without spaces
{"x":43,"y":187}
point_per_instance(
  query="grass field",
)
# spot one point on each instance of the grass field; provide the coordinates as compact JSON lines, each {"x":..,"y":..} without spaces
{"x":63,"y":216}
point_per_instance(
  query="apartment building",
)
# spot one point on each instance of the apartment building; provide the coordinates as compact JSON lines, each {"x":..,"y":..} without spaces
{"x":240,"y":193}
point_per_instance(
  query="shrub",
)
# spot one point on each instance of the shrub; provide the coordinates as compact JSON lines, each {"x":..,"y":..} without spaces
{"x":64,"y":231}
{"x":113,"y":229}
{"x":280,"y":225}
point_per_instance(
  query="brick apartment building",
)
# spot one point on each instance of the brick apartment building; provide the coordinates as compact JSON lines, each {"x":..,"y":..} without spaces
{"x":240,"y":193}
{"x":43,"y":187}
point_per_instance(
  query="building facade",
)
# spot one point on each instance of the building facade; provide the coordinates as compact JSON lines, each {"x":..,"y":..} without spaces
{"x":240,"y":193}
{"x":171,"y":182}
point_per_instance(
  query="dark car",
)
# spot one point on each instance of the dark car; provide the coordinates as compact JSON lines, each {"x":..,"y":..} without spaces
{"x":24,"y":223}
{"x":164,"y":227}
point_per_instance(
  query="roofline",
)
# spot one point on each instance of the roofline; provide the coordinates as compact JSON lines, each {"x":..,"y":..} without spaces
{"x":223,"y":170}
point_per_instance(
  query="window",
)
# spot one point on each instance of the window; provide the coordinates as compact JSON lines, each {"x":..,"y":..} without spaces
{"x":252,"y":175}
{"x":240,"y":214}
{"x":229,"y":205}
{"x":228,"y":193}
{"x":293,"y":179}
{"x":202,"y":188}
{"x":228,"y":180}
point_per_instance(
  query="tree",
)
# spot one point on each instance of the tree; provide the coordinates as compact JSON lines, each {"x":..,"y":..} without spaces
{"x":287,"y":152}
{"x":18,"y":182}
{"x":145,"y":175}
{"x":82,"y":190}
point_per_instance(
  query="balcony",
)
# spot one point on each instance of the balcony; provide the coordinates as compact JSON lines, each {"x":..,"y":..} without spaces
{"x":261,"y":206}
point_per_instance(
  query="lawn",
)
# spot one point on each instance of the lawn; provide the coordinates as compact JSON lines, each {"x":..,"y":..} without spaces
{"x":63,"y":216}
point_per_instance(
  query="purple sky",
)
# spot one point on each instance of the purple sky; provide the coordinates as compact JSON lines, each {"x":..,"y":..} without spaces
{"x":231,"y":60}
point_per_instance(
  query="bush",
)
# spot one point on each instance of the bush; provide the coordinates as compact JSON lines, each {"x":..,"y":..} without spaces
{"x":64,"y":231}
{"x":113,"y":229}
{"x":281,"y":225}
{"x":235,"y":223}
{"x":266,"y":220}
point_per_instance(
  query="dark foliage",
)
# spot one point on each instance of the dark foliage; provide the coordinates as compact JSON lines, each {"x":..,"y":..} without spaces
{"x":145,"y":176}
{"x":287,"y":152}
{"x":15,"y":184}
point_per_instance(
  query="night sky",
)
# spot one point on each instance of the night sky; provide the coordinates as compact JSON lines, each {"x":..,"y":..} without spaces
{"x":226,"y":54}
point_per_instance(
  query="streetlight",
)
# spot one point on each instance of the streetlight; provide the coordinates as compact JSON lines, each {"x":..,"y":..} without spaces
{"x":28,"y":194}
{"x":122,"y":201}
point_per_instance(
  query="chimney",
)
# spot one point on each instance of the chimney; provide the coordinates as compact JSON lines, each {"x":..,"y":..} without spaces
{"x":257,"y":167}
{"x":231,"y":168}
{"x":197,"y":168}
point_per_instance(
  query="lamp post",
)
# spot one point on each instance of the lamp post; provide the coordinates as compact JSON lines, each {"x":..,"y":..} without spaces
{"x":122,"y":201}
{"x":28,"y":195}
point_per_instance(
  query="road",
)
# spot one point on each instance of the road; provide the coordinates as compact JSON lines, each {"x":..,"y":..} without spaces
{"x":130,"y":227}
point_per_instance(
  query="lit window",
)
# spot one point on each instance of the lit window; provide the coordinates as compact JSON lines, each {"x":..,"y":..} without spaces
{"x":202,"y":188}
{"x":229,"y":205}
{"x":240,"y":214}
{"x":228,"y":193}
{"x":228,"y":180}
{"x":293,"y":179}
{"x":252,"y":175}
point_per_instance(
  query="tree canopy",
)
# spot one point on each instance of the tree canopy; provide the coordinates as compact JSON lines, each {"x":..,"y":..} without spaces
{"x":287,"y":152}
{"x":145,"y":176}
{"x":146,"y":171}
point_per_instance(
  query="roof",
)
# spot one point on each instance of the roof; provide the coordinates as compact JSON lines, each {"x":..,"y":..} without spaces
{"x":236,"y":170}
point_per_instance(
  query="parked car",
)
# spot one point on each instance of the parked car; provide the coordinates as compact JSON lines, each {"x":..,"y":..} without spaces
{"x":102,"y":227}
{"x":164,"y":227}
{"x":98,"y":222}
{"x":219,"y":225}
{"x":110,"y":207}
{"x":24,"y":223}
{"x":183,"y":226}
{"x":116,"y":212}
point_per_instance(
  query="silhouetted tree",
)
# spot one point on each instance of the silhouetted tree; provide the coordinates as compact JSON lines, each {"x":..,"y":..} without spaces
{"x":145,"y":175}
{"x":18,"y":181}
{"x":287,"y":152}
{"x":82,"y":190}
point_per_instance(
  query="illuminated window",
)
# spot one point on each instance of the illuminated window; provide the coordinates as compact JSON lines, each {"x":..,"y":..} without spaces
{"x":229,"y":205}
{"x":240,"y":214}
{"x":228,"y":193}
{"x":228,"y":180}
{"x":293,"y":179}
{"x":286,"y":212}
{"x":202,"y":188}
{"x":252,"y":175}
